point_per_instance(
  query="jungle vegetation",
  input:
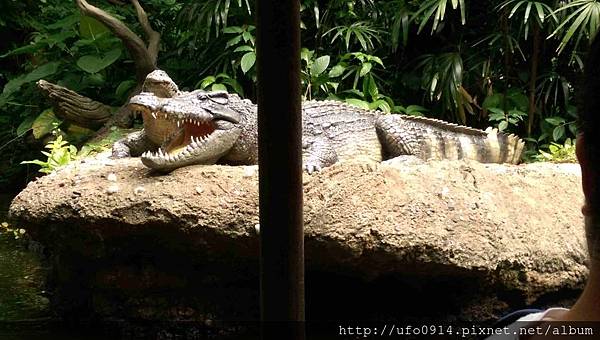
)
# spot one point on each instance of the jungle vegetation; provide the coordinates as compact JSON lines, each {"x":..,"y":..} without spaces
{"x":511,"y":64}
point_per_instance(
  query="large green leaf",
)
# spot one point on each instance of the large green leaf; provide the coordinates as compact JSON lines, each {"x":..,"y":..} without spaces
{"x":22,"y":50}
{"x":555,"y":121}
{"x":370,"y":87}
{"x":66,"y":22}
{"x":124,"y":87}
{"x":365,"y":68}
{"x":232,"y":29}
{"x":494,"y":100}
{"x":95,"y":63}
{"x":519,"y":100}
{"x":25,"y":126}
{"x":357,"y":102}
{"x":244,"y":48}
{"x":13,"y":85}
{"x":337,"y":71}
{"x":218,"y":87}
{"x":558,"y":132}
{"x":44,"y":123}
{"x":319,"y":65}
{"x":42,"y":72}
{"x":90,"y":27}
{"x":248,"y":61}
{"x":206,"y":82}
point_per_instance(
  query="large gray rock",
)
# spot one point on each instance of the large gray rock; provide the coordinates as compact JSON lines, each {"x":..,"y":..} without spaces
{"x":440,"y":240}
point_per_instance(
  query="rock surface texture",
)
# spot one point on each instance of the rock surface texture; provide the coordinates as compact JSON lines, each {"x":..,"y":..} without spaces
{"x":438,"y":241}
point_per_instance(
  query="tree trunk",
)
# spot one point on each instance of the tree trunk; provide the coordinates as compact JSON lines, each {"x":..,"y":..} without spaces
{"x":507,"y":57}
{"x":535,"y":56}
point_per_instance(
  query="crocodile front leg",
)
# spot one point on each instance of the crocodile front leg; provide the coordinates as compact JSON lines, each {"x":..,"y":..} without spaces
{"x":317,"y":153}
{"x":133,"y":145}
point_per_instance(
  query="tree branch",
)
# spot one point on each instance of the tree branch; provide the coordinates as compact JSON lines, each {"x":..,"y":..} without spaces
{"x":144,"y":62}
{"x":153,"y":36}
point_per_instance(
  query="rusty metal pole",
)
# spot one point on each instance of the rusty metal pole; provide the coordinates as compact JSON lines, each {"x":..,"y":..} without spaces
{"x":280,"y":169}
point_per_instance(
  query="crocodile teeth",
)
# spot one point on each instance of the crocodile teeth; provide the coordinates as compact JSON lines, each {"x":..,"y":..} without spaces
{"x":154,"y":115}
{"x":178,"y":123}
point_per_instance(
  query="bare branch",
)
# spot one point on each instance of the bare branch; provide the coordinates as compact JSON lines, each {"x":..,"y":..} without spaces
{"x":153,"y":36}
{"x":144,"y":62}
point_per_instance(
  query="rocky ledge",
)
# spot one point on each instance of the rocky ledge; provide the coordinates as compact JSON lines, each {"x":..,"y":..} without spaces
{"x":433,"y":241}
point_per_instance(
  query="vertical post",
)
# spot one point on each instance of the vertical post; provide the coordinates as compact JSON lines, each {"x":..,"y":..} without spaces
{"x":280,"y":169}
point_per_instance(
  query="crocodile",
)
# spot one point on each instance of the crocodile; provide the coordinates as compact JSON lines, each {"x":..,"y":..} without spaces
{"x":210,"y":127}
{"x":155,"y":128}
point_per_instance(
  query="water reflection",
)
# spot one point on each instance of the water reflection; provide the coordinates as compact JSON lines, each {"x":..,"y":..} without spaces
{"x":21,"y":276}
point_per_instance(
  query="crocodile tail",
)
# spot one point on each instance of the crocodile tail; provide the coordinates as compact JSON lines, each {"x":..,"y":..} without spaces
{"x":502,"y":148}
{"x":429,"y":138}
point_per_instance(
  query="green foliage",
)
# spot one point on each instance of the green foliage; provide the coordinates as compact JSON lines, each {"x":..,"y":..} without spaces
{"x":560,"y":126}
{"x":582,"y":19}
{"x":314,"y":78}
{"x":105,"y":144}
{"x":221,"y":82}
{"x":356,"y":68}
{"x":52,"y":41}
{"x":533,"y":12}
{"x":476,"y":65}
{"x":506,"y":110}
{"x":361,"y":31}
{"x":442,"y":78}
{"x":411,"y":110}
{"x":558,"y":153}
{"x":59,"y":154}
{"x":436,"y":10}
{"x":16,"y":233}
{"x":212,"y":15}
{"x":22,"y":288}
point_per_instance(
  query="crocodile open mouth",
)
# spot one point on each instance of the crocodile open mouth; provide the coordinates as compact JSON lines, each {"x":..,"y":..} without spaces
{"x":190,"y":135}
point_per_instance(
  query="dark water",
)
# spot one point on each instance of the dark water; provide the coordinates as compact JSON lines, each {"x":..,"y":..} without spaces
{"x":25,"y":310}
{"x":22,"y":274}
{"x":50,"y":334}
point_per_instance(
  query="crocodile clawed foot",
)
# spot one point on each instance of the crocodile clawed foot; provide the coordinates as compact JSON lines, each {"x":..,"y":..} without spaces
{"x":312,"y":168}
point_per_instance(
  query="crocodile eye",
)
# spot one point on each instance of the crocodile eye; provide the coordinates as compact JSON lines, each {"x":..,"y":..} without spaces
{"x":219,"y":97}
